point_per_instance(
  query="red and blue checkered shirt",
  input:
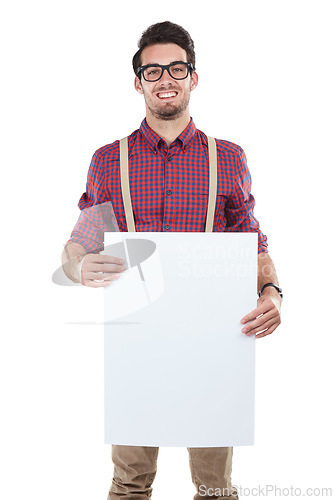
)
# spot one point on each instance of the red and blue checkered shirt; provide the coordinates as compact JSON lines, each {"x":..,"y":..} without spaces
{"x":169,"y":187}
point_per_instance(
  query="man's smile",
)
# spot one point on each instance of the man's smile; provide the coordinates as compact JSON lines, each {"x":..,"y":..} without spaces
{"x":166,"y":95}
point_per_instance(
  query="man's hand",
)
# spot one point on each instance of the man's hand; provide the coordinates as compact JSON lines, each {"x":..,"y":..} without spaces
{"x":266,"y":317}
{"x":99,"y":270}
{"x":90,"y":269}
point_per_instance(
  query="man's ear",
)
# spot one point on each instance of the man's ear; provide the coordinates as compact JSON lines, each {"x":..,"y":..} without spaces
{"x":194,"y":80}
{"x":137,"y":85}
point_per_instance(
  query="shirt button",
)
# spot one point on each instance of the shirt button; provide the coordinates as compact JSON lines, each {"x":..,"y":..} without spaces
{"x":169,"y":191}
{"x":167,"y":227}
{"x":169,"y":158}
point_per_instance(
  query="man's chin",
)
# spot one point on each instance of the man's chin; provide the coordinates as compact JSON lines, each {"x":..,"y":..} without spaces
{"x":169,"y":112}
{"x":169,"y":116}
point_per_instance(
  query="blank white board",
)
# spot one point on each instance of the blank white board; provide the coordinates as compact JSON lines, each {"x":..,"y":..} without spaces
{"x":178,"y":370}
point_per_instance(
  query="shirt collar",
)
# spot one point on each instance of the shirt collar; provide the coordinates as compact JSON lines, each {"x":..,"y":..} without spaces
{"x":153,"y":139}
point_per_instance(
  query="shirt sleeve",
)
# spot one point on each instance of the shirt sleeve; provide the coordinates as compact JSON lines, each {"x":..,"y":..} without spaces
{"x":239,"y":206}
{"x":97,"y":213}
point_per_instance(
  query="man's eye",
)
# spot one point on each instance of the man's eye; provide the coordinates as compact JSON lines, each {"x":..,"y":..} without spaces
{"x":152,"y":71}
{"x":178,"y":69}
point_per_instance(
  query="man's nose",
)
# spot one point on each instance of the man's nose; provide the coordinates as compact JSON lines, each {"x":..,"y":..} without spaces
{"x":165,"y":78}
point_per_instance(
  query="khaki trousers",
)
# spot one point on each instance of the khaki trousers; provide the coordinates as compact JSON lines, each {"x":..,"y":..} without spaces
{"x":135,"y":470}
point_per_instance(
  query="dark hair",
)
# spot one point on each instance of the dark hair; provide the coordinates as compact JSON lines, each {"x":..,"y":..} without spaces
{"x":165,"y":32}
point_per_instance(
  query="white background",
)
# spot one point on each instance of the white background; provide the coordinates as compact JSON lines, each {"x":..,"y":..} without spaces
{"x":67,"y":88}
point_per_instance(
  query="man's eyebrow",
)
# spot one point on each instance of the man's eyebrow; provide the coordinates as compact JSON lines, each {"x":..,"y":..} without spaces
{"x":158,"y":64}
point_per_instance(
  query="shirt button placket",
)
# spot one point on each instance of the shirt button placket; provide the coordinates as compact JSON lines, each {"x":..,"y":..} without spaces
{"x":168,"y":202}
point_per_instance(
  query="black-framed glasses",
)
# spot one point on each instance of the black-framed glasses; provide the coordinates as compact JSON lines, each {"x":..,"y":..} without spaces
{"x":178,"y":70}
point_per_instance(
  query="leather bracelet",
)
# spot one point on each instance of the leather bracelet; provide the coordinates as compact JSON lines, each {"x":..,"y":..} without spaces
{"x":274,"y":286}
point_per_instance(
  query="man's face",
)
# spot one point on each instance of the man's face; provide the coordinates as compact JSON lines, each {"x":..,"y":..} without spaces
{"x":158,"y":103}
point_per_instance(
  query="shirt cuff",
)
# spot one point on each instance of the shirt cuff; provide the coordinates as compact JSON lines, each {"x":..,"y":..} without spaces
{"x":91,"y":246}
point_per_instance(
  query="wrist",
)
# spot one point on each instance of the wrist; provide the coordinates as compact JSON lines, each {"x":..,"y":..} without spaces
{"x":75,"y":268}
{"x":271,"y":293}
{"x":72,"y":267}
{"x":271,"y":290}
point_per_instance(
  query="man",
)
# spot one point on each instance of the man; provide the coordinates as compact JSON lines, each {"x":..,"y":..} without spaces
{"x":168,"y":172}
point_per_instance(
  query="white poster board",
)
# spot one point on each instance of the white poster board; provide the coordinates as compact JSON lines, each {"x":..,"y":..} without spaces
{"x":178,"y":369}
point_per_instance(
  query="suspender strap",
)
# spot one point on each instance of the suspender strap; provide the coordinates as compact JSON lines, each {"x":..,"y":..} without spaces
{"x":126,"y":194}
{"x":125,"y":188}
{"x":212,"y":184}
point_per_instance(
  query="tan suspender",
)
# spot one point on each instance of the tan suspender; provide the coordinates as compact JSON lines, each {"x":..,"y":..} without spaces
{"x":212,"y":184}
{"x":125,"y":189}
{"x":126,"y":194}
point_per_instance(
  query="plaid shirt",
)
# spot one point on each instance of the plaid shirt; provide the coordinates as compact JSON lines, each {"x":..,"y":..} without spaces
{"x":169,"y":187}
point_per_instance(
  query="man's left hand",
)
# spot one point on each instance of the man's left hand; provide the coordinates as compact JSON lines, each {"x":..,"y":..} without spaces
{"x":265,"y":318}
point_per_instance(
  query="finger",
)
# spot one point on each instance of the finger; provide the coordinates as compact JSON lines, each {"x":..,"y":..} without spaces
{"x":267,"y":332}
{"x":269,"y":315}
{"x":93,"y":267}
{"x":107,"y":259}
{"x":265,"y":306}
{"x":263,"y":326}
{"x":100,"y":276}
{"x":255,"y":313}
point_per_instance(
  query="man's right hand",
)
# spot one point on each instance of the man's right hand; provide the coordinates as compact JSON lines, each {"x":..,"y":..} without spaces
{"x":90,"y":269}
{"x":99,"y":270}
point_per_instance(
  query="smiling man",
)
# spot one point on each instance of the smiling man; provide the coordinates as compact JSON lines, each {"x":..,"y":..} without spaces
{"x":169,"y":180}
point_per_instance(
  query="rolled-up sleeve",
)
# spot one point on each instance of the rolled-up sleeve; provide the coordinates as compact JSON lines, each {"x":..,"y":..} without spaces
{"x":96,"y":211}
{"x":240,"y":205}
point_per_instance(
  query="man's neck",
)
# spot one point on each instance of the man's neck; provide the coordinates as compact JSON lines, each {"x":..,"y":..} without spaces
{"x":168,"y":130}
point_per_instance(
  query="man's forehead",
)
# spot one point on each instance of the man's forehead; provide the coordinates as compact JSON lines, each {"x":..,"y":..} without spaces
{"x":162,"y":54}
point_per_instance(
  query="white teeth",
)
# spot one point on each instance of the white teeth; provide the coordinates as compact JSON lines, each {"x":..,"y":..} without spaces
{"x":167,"y":94}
